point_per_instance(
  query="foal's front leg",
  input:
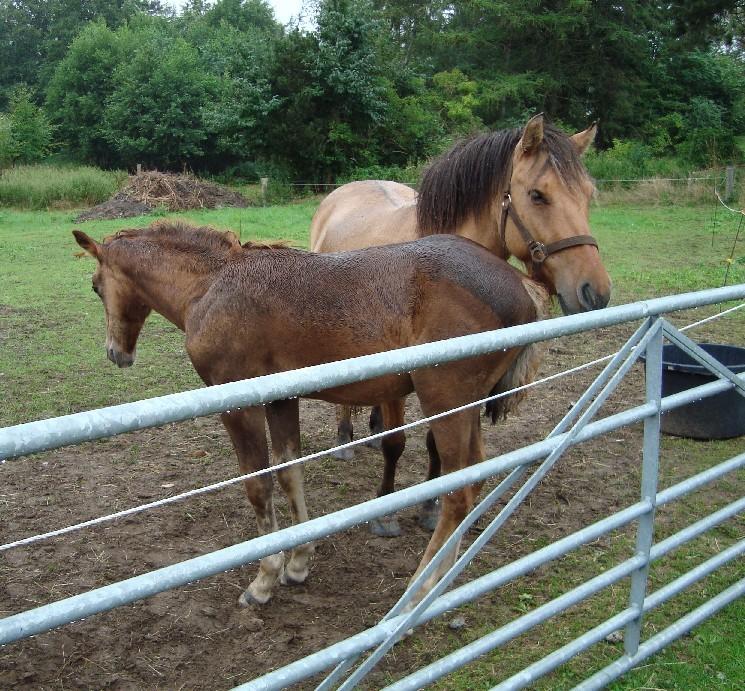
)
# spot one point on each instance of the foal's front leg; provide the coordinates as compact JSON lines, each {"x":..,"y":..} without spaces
{"x":458,"y":441}
{"x":284,"y":427}
{"x":246,"y":429}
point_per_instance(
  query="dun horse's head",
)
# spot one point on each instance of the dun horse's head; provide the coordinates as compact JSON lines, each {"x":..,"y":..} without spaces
{"x":544,"y":216}
{"x":125,"y":311}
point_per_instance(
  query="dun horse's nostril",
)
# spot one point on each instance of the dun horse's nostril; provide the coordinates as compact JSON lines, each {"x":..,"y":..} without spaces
{"x":589,"y":298}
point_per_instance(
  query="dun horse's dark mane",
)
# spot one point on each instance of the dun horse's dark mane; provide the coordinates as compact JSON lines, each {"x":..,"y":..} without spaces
{"x":463,"y":181}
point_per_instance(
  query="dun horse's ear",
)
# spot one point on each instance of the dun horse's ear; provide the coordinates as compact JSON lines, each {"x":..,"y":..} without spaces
{"x":582,"y":140}
{"x":87,"y":243}
{"x":532,"y":134}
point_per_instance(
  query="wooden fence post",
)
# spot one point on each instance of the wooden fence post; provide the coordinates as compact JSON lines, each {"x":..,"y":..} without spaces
{"x":729,"y":191}
{"x":264,"y":186}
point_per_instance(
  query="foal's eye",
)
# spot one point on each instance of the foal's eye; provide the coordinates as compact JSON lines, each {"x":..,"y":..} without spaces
{"x":537,"y":197}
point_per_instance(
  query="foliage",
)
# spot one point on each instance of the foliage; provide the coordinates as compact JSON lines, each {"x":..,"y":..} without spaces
{"x":25,"y":132}
{"x":80,"y":87}
{"x":373,"y":82}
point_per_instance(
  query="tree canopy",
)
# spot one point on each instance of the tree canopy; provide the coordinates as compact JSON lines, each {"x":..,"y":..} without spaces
{"x":223,"y":86}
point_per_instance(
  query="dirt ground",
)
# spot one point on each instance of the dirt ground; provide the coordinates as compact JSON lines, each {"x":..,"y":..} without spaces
{"x":196,"y":637}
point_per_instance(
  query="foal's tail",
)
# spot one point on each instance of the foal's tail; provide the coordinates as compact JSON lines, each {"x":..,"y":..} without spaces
{"x":524,"y":368}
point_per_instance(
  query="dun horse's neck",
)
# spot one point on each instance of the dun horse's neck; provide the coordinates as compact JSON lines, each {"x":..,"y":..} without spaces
{"x":171,"y":282}
{"x":484,"y":230}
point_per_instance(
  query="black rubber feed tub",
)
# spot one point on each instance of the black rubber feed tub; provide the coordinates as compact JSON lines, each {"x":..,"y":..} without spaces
{"x":716,"y":417}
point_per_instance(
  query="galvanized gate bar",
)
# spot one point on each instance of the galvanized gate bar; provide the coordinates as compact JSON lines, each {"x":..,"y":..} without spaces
{"x":412,"y":618}
{"x":107,"y":597}
{"x":701,"y":356}
{"x":455,"y":660}
{"x":609,"y":379}
{"x":664,"y":638}
{"x":317,"y":662}
{"x":42,"y":435}
{"x":650,"y":473}
{"x":560,"y":656}
{"x":695,"y":481}
{"x":49,"y":616}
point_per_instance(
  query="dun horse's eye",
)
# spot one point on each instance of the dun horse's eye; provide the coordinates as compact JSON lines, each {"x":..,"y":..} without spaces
{"x":537,"y":197}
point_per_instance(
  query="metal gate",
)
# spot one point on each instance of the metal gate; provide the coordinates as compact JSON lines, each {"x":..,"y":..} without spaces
{"x":577,"y":426}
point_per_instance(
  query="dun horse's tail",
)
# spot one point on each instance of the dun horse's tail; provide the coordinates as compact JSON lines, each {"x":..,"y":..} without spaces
{"x":524,"y":368}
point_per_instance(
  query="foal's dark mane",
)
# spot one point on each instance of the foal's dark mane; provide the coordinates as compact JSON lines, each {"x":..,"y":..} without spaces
{"x":464,"y":180}
{"x":200,"y":243}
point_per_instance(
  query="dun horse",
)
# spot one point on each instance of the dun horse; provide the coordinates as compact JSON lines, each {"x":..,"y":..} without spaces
{"x":518,"y":193}
{"x":252,"y":310}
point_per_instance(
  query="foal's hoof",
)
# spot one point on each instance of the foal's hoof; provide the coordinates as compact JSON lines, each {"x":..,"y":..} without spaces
{"x":429,"y":515}
{"x":344,"y":454}
{"x":248,"y":600}
{"x":387,"y":526}
{"x":374,"y":443}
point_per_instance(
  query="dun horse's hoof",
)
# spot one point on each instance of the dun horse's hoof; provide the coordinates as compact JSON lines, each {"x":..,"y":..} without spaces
{"x":387,"y":526}
{"x":289,"y":579}
{"x":429,"y":515}
{"x":344,"y":454}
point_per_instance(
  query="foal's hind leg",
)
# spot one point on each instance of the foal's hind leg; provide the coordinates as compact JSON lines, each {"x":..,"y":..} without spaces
{"x":344,"y":432}
{"x":284,"y":427}
{"x":393,"y":446}
{"x":246,"y":429}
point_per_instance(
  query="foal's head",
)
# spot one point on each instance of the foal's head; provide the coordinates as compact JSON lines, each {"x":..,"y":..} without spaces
{"x":125,"y":310}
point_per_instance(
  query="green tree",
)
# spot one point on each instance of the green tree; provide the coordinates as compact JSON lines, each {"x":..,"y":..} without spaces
{"x":156,"y":112}
{"x":80,"y":87}
{"x":332,"y":93}
{"x":35,"y":34}
{"x":30,"y":133}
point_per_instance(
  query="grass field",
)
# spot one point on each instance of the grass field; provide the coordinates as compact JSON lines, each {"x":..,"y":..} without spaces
{"x":52,"y":363}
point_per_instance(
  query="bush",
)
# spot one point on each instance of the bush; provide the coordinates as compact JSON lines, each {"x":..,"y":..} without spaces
{"x":630,"y":161}
{"x":44,"y":186}
{"x":25,"y":132}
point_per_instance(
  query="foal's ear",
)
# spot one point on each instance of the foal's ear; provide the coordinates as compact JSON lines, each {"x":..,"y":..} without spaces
{"x":532,"y":135}
{"x":582,"y":140}
{"x":87,"y":243}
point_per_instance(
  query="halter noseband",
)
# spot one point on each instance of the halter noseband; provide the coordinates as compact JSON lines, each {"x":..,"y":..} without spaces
{"x":538,"y":251}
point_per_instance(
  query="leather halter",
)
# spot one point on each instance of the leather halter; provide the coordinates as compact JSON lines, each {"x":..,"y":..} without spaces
{"x":538,"y":251}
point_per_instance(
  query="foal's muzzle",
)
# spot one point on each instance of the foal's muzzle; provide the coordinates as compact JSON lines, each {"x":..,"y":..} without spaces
{"x":119,"y":358}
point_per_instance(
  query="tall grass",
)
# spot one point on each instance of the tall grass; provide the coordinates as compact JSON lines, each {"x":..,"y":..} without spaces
{"x":55,"y":187}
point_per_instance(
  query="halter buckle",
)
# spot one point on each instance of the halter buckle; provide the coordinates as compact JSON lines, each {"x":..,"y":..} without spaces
{"x":507,"y":201}
{"x":538,"y":252}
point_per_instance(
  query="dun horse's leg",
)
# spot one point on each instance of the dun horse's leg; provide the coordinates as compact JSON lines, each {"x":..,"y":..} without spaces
{"x":376,"y":425}
{"x":344,"y":432}
{"x":459,"y":444}
{"x":246,"y":429}
{"x":284,"y":427}
{"x":430,"y":512}
{"x":393,"y":446}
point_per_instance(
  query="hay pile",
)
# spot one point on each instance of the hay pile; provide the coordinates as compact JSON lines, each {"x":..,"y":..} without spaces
{"x":151,"y":189}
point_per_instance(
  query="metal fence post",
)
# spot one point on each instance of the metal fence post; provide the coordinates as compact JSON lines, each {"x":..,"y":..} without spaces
{"x":650,"y":465}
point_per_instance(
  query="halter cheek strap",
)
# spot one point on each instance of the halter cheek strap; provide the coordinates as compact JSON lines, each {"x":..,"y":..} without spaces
{"x":538,"y":251}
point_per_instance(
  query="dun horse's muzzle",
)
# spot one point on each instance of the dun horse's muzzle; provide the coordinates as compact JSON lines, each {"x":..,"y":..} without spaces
{"x":119,"y":358}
